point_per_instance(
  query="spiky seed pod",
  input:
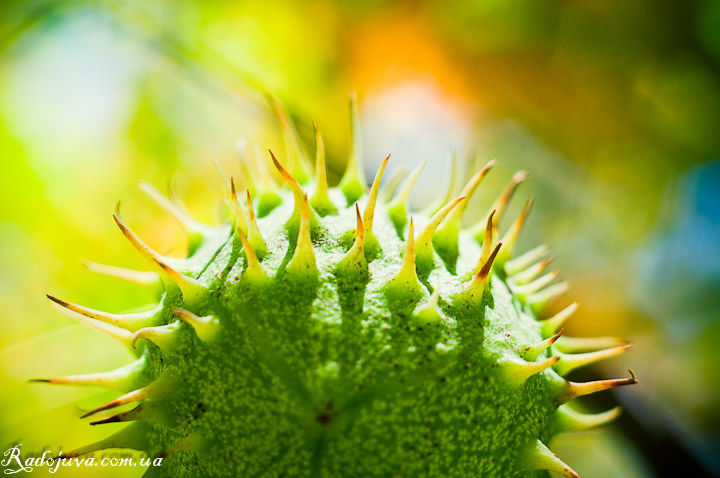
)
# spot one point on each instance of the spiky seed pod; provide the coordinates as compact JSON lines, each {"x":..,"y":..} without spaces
{"x":324,"y":337}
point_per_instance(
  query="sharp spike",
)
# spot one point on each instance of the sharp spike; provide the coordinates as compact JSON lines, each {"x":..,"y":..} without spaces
{"x":253,"y":270}
{"x":158,"y":388}
{"x":353,"y":182}
{"x":486,"y":244}
{"x":320,"y":200}
{"x":587,"y":344}
{"x":164,"y":336}
{"x":539,"y":300}
{"x":550,"y":326}
{"x":146,"y":278}
{"x":429,"y":313}
{"x":372,"y":247}
{"x":206,"y":328}
{"x":512,"y":235}
{"x":525,"y":276}
{"x":131,"y":321}
{"x":567,"y":419}
{"x":454,"y":219}
{"x":406,"y":282}
{"x":569,"y":362}
{"x":532,"y":352}
{"x":513,"y":266}
{"x":127,"y":377}
{"x":474,"y":292}
{"x":573,"y":390}
{"x":133,"y":436}
{"x":524,"y":290}
{"x":504,"y":199}
{"x":297,"y":191}
{"x":176,"y":197}
{"x":298,"y":162}
{"x":190,"y":288}
{"x":222,"y":178}
{"x":252,"y":173}
{"x":303,"y":259}
{"x":398,"y":207}
{"x":517,"y":372}
{"x":193,"y":227}
{"x":369,"y":213}
{"x":195,"y":441}
{"x":136,"y":414}
{"x":355,"y":261}
{"x":424,"y":249}
{"x":539,"y":457}
{"x":387,"y":193}
{"x":254,"y":237}
{"x":238,"y":211}
{"x":450,"y":192}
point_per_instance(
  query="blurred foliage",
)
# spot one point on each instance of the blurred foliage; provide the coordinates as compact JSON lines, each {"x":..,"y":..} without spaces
{"x":613,"y":107}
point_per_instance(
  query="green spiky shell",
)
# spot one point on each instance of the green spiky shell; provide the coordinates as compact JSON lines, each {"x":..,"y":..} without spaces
{"x":311,"y":341}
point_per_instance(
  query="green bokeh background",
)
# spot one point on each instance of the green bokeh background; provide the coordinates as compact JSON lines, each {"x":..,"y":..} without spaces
{"x":613,"y":108}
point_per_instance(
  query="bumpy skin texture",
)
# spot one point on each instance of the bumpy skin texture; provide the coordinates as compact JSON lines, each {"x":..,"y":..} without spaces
{"x":313,"y":342}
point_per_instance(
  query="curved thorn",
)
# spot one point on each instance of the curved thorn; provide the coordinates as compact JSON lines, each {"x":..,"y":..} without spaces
{"x":253,"y":270}
{"x":353,"y":182}
{"x":398,"y":207}
{"x":429,"y":313}
{"x":146,"y":278}
{"x":541,"y":282}
{"x":433,"y":208}
{"x":513,"y":266}
{"x":189,"y":287}
{"x":532,"y":352}
{"x":403,"y":197}
{"x":549,"y":326}
{"x":190,"y":224}
{"x":133,"y":436}
{"x":206,"y":328}
{"x":355,"y":259}
{"x":369,"y":213}
{"x":501,"y":203}
{"x":567,"y":419}
{"x":254,"y":236}
{"x":513,"y":233}
{"x":538,"y":300}
{"x":130,"y":322}
{"x":587,"y":344}
{"x":387,"y":193}
{"x":303,"y":259}
{"x":406,"y":281}
{"x":158,"y":388}
{"x":474,"y":292}
{"x":238,"y":211}
{"x":298,"y":162}
{"x":569,"y":362}
{"x":524,"y":276}
{"x":164,"y":336}
{"x":320,"y":199}
{"x":487,"y":244}
{"x":136,"y":414}
{"x":424,"y":240}
{"x":517,"y":372}
{"x":573,"y":390}
{"x":223,"y":178}
{"x":127,"y":377}
{"x":539,"y":457}
{"x":455,"y":216}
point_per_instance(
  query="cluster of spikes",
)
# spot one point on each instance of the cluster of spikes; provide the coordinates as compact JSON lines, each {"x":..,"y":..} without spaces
{"x":265,"y":180}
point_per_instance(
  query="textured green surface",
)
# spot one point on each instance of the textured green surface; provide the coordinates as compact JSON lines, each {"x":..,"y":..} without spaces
{"x":347,"y":351}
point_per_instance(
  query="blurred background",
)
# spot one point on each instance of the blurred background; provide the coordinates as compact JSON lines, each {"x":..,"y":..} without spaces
{"x":612,"y":107}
